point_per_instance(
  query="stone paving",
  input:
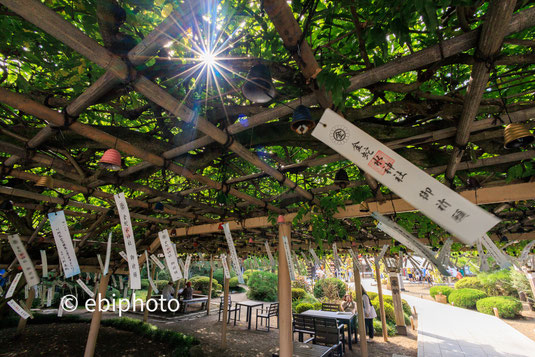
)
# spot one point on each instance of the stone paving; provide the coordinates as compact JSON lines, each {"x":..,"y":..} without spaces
{"x":448,"y":331}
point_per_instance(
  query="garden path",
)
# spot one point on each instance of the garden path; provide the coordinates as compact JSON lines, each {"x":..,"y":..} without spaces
{"x":448,"y":331}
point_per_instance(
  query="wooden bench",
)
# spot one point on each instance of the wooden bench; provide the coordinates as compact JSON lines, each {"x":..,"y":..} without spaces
{"x":203,"y":300}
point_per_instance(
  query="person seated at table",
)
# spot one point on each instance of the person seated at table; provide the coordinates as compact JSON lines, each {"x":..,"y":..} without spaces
{"x":187,"y":293}
{"x":348,"y":305}
{"x":168,"y":291}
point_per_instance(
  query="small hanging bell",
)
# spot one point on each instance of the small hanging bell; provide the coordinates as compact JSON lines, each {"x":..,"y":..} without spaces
{"x":258,"y":87}
{"x":111,"y":160}
{"x":341,"y":179}
{"x":516,"y":135}
{"x":302,"y":122}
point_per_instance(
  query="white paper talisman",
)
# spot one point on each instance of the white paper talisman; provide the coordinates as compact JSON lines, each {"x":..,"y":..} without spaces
{"x":24,"y":260}
{"x":63,"y":240}
{"x":13,"y":286}
{"x":226,"y":270}
{"x":288,"y":254}
{"x":129,"y":241}
{"x":44,"y":263}
{"x":233,"y":255}
{"x":18,"y":309}
{"x":86,"y":289}
{"x":170,"y":255}
{"x":270,"y":256}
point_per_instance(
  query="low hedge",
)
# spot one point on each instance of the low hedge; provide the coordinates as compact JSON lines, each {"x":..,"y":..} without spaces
{"x":508,"y":307}
{"x":389,"y":310}
{"x":202,"y":283}
{"x":298,"y":294}
{"x":466,"y":298}
{"x":304,"y":306}
{"x":378,"y":328}
{"x":437,"y":290}
{"x":404,"y":303}
{"x":262,"y":286}
{"x":471,"y":282}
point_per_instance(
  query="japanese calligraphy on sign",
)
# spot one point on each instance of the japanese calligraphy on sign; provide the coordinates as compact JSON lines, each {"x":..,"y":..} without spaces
{"x":233,"y":255}
{"x":270,"y":256}
{"x":63,"y":240}
{"x":86,"y":289}
{"x":129,"y":241}
{"x":445,"y":207}
{"x":24,"y":260}
{"x":397,"y":232}
{"x":170,"y":255}
{"x":225,"y":266}
{"x":13,"y":286}
{"x":18,"y":309}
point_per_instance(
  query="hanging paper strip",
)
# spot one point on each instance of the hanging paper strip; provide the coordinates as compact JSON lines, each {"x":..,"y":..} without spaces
{"x":270,"y":256}
{"x":44,"y":264}
{"x":63,"y":240}
{"x":123,"y":255}
{"x":495,"y":252}
{"x":226,"y":270}
{"x":13,"y":286}
{"x":524,"y":255}
{"x":18,"y":309}
{"x":288,"y":254}
{"x":182,"y":265}
{"x":108,"y":254}
{"x":170,"y":255}
{"x":233,"y":255}
{"x":397,"y":232}
{"x":444,"y":206}
{"x":49,"y":295}
{"x":129,"y":242}
{"x":151,"y":282}
{"x":86,"y":289}
{"x":186,"y":266}
{"x":314,"y":256}
{"x":24,"y":260}
{"x":157,"y":261}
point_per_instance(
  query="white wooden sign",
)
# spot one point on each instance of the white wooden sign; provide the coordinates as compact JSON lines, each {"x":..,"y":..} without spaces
{"x":233,"y":255}
{"x":288,"y":254}
{"x":226,"y":270}
{"x":270,"y":256}
{"x":24,"y":260}
{"x":170,"y":255}
{"x":44,"y":263}
{"x":129,"y":241}
{"x":397,"y":232}
{"x":63,"y":240}
{"x":86,"y":289}
{"x":157,"y":261}
{"x":444,"y":206}
{"x":18,"y":309}
{"x":495,"y":252}
{"x":13,"y":286}
{"x":186,"y":266}
{"x":314,"y":256}
{"x":108,"y":255}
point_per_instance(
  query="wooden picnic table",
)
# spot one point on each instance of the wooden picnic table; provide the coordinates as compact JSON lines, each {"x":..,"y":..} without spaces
{"x":344,"y":317}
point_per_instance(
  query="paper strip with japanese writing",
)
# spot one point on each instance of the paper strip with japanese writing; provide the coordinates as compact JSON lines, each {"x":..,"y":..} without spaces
{"x":270,"y":256}
{"x":186,"y":266}
{"x":233,"y":255}
{"x":86,"y":289}
{"x":170,"y":255}
{"x":129,"y":241}
{"x":13,"y":285}
{"x":24,"y":260}
{"x":444,"y":206}
{"x":157,"y":262}
{"x":226,"y":270}
{"x":44,"y":263}
{"x":288,"y":254}
{"x":18,"y":309}
{"x":63,"y":240}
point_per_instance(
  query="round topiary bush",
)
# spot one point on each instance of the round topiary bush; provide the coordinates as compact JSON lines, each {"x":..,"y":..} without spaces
{"x":262,"y":286}
{"x":304,"y":306}
{"x":202,"y":284}
{"x":437,"y":290}
{"x":404,"y":303}
{"x":466,"y":298}
{"x":389,"y":310}
{"x":471,"y":282}
{"x":298,"y":294}
{"x":330,"y":288}
{"x":233,"y":282}
{"x":508,"y":307}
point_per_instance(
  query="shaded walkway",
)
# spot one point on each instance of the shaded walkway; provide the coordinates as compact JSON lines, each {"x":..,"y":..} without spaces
{"x":445,"y":330}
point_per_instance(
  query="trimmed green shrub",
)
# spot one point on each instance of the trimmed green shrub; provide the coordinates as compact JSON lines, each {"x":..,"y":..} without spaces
{"x":437,"y":290}
{"x":471,"y":282}
{"x":378,"y":328}
{"x":330,"y":288}
{"x":372,"y":295}
{"x":317,"y":305}
{"x":219,"y":275}
{"x":508,"y":307}
{"x":202,"y":283}
{"x":389,"y":310}
{"x":247,"y":274}
{"x":262,"y":286}
{"x":298,"y":294}
{"x":304,"y":306}
{"x":404,"y":303}
{"x":233,"y":282}
{"x":521,"y":284}
{"x":466,"y":298}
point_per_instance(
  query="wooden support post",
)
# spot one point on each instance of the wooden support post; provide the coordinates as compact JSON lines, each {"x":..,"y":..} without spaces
{"x":210,"y":285}
{"x":360,"y":311}
{"x":97,"y":316}
{"x":225,"y":311}
{"x":285,"y":296}
{"x":398,"y":307}
{"x":29,"y":302}
{"x":381,"y":300}
{"x":149,"y":294}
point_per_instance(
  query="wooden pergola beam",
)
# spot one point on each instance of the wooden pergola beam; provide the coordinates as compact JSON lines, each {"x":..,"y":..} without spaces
{"x":493,"y":31}
{"x":486,"y":195}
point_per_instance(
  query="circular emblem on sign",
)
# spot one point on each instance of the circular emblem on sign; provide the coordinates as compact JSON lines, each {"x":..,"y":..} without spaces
{"x":339,"y":135}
